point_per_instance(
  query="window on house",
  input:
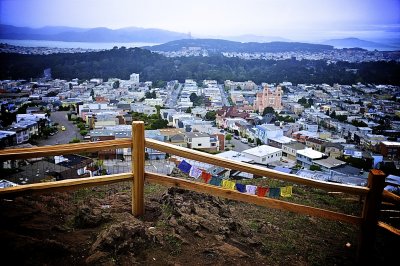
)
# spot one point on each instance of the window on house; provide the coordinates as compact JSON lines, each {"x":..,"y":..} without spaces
{"x":263,"y":159}
{"x":199,"y":144}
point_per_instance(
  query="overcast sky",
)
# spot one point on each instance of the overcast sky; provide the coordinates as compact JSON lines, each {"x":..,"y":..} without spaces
{"x":293,"y":19}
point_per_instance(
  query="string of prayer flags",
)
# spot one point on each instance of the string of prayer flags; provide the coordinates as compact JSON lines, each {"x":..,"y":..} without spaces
{"x":250,"y":189}
{"x":286,"y":191}
{"x":262,"y":191}
{"x":216,"y":181}
{"x":274,"y":192}
{"x":184,"y":167}
{"x":195,"y":172}
{"x":241,"y":187}
{"x":228,"y":184}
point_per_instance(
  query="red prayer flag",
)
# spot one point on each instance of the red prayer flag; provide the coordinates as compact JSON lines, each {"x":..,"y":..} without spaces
{"x":262,"y":191}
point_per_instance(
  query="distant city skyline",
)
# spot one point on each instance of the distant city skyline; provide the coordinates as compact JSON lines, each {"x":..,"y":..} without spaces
{"x":311,"y":20}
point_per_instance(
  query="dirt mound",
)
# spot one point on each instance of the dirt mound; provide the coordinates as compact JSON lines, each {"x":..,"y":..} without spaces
{"x":191,"y":211}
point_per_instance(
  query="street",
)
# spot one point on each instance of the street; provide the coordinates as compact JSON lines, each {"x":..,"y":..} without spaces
{"x":225,"y":101}
{"x":62,"y":137}
{"x":239,"y":146}
{"x":173,"y":97}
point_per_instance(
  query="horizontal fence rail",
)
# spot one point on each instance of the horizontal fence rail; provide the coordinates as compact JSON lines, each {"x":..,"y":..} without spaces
{"x":390,"y":197}
{"x":65,"y":185}
{"x":26,"y":153}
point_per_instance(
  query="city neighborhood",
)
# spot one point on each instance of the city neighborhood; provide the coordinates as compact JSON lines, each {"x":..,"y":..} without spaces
{"x":333,"y":133}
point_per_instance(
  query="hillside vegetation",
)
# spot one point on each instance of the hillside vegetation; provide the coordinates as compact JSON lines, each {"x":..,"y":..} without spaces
{"x":120,"y":63}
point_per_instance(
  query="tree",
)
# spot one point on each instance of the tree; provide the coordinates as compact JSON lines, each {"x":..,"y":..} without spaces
{"x":150,"y":95}
{"x":333,"y":115}
{"x":188,"y":110}
{"x":268,"y":110}
{"x":310,"y":101}
{"x":359,"y":123}
{"x":83,"y":132}
{"x":210,"y":115}
{"x":75,"y":140}
{"x":315,"y":168}
{"x":228,"y":138}
{"x":115,"y":84}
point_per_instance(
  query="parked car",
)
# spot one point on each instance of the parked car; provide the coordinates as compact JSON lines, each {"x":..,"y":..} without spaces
{"x":252,"y":145}
{"x":236,"y":137}
{"x":62,"y":128}
{"x":244,"y":140}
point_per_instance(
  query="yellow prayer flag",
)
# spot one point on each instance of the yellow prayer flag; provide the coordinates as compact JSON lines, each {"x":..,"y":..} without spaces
{"x":228,"y":184}
{"x":286,"y":191}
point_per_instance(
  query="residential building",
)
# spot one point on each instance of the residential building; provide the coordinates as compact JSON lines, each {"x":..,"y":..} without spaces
{"x":315,"y":143}
{"x":290,"y":150}
{"x":390,"y":149}
{"x":333,"y":150}
{"x":307,"y":156}
{"x":263,"y":154}
{"x":197,"y":140}
{"x":329,"y":163}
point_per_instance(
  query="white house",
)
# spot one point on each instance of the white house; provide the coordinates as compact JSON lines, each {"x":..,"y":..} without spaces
{"x":263,"y":154}
{"x":197,"y":140}
{"x":154,"y":102}
{"x":306,"y":157}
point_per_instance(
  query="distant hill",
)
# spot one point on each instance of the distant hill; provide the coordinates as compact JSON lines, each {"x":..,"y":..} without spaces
{"x":355,"y":42}
{"x":254,"y":38}
{"x":218,"y":46}
{"x":70,"y":34}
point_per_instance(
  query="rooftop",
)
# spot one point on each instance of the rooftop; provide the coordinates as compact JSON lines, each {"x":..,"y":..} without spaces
{"x":391,"y":143}
{"x":262,"y":150}
{"x":310,"y":153}
{"x":329,"y":162}
{"x":234,"y":155}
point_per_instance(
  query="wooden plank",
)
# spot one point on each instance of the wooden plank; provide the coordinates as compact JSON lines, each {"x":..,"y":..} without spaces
{"x":372,"y":203}
{"x":138,"y":158}
{"x":13,"y":154}
{"x":65,"y":185}
{"x":261,"y":201}
{"x":389,"y":228}
{"x":250,"y":168}
{"x":390,"y":197}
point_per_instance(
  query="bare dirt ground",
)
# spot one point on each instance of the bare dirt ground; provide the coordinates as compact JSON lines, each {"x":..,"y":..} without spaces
{"x":95,"y":227}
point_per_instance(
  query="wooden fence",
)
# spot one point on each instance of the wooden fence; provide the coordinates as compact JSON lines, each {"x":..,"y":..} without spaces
{"x":372,"y":194}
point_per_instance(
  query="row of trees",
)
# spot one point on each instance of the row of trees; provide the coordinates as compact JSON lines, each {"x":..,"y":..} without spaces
{"x":151,"y":66}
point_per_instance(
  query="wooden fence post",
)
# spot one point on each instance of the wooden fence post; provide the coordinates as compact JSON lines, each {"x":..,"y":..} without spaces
{"x":376,"y":184}
{"x":138,"y":159}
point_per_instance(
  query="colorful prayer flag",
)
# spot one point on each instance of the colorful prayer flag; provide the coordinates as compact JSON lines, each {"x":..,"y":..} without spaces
{"x":194,"y":172}
{"x":250,"y":189}
{"x":228,"y":184}
{"x":262,"y":191}
{"x":274,"y":192}
{"x":286,"y":191}
{"x":216,"y":181}
{"x":206,"y":177}
{"x":184,"y":166}
{"x":241,"y":187}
